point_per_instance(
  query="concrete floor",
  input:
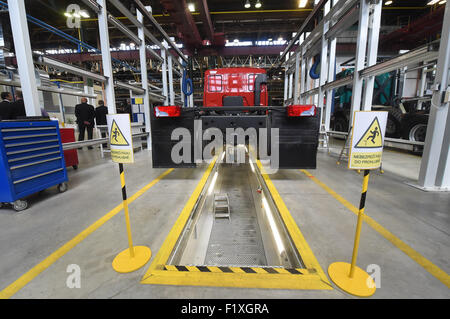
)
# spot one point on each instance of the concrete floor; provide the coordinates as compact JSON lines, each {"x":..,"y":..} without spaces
{"x":419,"y":219}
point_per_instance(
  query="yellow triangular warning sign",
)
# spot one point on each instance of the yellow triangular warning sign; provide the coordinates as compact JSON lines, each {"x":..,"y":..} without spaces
{"x":116,"y":136}
{"x":372,"y":137}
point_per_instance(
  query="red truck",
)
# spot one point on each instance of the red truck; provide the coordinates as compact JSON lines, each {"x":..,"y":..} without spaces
{"x":238,"y":98}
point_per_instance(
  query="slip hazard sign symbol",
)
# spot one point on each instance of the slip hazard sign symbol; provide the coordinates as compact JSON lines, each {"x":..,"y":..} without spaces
{"x":116,"y":136}
{"x":372,"y":138}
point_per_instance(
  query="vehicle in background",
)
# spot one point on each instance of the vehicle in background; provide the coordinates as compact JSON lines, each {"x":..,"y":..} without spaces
{"x":237,"y":98}
{"x":405,"y":120}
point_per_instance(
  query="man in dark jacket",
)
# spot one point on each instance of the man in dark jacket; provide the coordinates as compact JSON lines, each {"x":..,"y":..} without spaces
{"x":85,"y":114}
{"x":100,"y":117}
{"x":5,"y":106}
{"x":100,"y":113}
{"x":18,"y":107}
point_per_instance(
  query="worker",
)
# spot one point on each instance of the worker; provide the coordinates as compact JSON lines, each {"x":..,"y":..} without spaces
{"x":5,"y":106}
{"x":100,"y":113}
{"x":100,"y":117}
{"x":127,"y":108}
{"x":85,"y":114}
{"x":18,"y":107}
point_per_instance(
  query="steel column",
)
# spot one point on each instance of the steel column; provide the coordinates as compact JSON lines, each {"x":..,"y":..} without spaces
{"x":374,"y":33}
{"x":164,"y":74}
{"x":361,"y":43}
{"x":106,"y":57}
{"x":331,"y":75}
{"x":144,"y":78}
{"x":19,"y":27}
{"x":297,"y":79}
{"x":303,"y":73}
{"x":435,"y":167}
{"x":171,"y":91}
{"x":323,"y":62}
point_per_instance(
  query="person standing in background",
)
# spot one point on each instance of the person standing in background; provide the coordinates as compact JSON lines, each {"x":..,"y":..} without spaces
{"x":100,"y":117}
{"x":18,"y":107}
{"x":100,"y":113}
{"x":85,"y":114}
{"x":5,"y":106}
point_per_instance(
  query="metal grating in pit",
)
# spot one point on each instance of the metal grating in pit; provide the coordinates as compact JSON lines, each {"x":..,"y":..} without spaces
{"x":236,"y":241}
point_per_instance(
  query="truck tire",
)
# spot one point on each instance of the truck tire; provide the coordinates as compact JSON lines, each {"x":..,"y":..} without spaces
{"x":416,"y":129}
{"x":341,"y":124}
{"x":394,"y":123}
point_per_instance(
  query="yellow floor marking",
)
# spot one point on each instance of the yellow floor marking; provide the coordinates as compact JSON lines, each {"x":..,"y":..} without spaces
{"x":238,"y":277}
{"x":47,"y":262}
{"x":164,"y":252}
{"x":397,"y":242}
{"x":307,"y":255}
{"x":259,"y":270}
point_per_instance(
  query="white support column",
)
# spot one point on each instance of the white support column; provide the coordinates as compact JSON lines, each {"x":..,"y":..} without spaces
{"x":323,"y":66}
{"x":106,"y":57}
{"x":297,"y":79}
{"x":181,"y":85}
{"x":19,"y":27}
{"x":374,"y":33}
{"x":291,"y":82}
{"x":331,"y":76}
{"x":302,"y":75}
{"x":171,"y":91}
{"x":435,"y":166}
{"x":422,"y":85}
{"x":144,"y":79}
{"x":165,"y":90}
{"x":61,"y":108}
{"x":286,"y":81}
{"x":309,"y":82}
{"x":361,"y":43}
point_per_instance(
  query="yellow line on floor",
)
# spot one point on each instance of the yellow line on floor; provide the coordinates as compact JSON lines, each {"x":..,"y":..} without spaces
{"x":397,"y":242}
{"x":164,"y":252}
{"x":47,"y":262}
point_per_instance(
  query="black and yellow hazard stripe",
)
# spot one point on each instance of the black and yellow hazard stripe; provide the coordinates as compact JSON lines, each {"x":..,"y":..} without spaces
{"x":122,"y":182}
{"x":235,"y":270}
{"x":125,"y":208}
{"x":362,"y":205}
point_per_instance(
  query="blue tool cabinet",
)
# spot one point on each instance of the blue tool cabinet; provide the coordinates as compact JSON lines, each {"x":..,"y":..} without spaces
{"x":31,"y":160}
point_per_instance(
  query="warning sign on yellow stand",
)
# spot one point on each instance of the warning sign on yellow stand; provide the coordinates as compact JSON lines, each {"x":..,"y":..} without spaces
{"x":367,"y":140}
{"x":119,"y":128}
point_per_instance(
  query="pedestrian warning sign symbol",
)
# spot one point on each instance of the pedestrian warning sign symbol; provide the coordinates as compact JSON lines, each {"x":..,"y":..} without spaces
{"x":116,"y":136}
{"x":372,"y":137}
{"x":367,"y":139}
{"x":120,"y":138}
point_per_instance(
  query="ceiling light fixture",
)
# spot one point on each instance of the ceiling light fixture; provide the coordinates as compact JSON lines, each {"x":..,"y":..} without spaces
{"x":258,"y":4}
{"x":442,"y":2}
{"x":432,"y":2}
{"x":247,"y":4}
{"x":388,"y":3}
{"x":302,"y":3}
{"x":191,"y":7}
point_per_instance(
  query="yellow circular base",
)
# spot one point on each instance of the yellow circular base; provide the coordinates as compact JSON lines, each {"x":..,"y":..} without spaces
{"x":123,"y":262}
{"x":360,"y":285}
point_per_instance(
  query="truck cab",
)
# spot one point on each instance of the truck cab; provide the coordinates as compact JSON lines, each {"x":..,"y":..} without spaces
{"x":235,"y":87}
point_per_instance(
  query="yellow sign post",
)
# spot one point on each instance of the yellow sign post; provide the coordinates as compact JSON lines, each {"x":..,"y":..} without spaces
{"x":119,"y":128}
{"x":365,"y":153}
